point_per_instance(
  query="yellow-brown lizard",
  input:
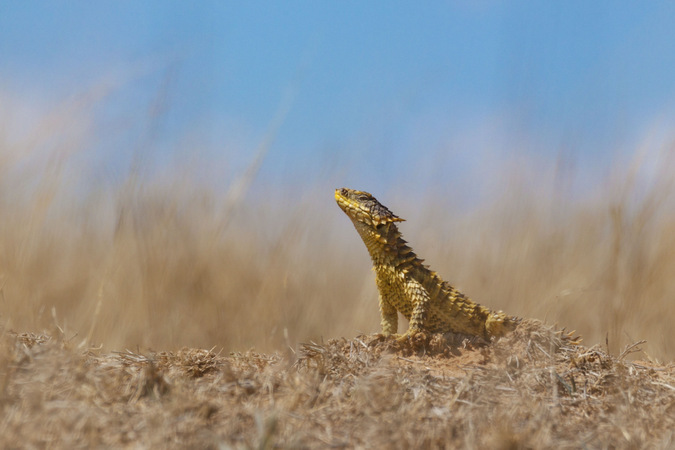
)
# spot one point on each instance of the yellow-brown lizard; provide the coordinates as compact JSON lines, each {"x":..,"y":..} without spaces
{"x":407,"y":285}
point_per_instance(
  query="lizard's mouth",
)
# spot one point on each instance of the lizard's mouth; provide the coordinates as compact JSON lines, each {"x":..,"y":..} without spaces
{"x":343,"y":202}
{"x":339,"y":196}
{"x":351,"y":207}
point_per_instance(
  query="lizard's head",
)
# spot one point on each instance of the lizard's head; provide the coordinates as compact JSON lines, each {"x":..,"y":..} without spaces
{"x":364,"y":208}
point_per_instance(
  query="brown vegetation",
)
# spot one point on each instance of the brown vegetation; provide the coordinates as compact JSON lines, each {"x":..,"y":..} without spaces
{"x":163,"y":264}
{"x":149,"y":262}
{"x":530,"y":390}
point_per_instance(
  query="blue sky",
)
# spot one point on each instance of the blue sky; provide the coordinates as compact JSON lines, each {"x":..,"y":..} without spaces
{"x":375,"y":90}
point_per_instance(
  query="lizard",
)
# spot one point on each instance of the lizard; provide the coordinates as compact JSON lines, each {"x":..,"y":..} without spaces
{"x":408,"y":286}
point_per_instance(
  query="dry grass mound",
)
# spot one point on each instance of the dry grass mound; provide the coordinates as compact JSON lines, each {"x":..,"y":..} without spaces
{"x":534,"y":389}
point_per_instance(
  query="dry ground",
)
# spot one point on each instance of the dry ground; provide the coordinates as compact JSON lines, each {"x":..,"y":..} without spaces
{"x":530,"y":390}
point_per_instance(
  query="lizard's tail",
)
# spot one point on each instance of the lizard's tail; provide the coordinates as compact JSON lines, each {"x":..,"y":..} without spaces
{"x":498,"y":324}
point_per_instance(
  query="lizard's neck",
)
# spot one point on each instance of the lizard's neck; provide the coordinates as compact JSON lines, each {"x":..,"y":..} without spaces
{"x":387,"y":247}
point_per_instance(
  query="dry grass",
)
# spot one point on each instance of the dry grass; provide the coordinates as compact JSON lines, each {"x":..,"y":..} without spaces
{"x":163,"y":262}
{"x":531,"y":390}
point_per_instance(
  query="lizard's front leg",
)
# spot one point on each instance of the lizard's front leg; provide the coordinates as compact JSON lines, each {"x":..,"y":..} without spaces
{"x":389,"y":317}
{"x":419,"y":298}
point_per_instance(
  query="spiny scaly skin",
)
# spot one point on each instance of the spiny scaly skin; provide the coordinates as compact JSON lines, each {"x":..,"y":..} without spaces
{"x":407,"y":285}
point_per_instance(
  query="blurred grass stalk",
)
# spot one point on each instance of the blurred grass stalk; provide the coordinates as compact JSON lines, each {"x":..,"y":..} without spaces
{"x":151,"y":263}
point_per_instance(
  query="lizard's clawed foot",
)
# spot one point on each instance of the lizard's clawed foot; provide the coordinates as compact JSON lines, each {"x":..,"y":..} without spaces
{"x":379,"y":337}
{"x":401,"y":338}
{"x":410,"y":337}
